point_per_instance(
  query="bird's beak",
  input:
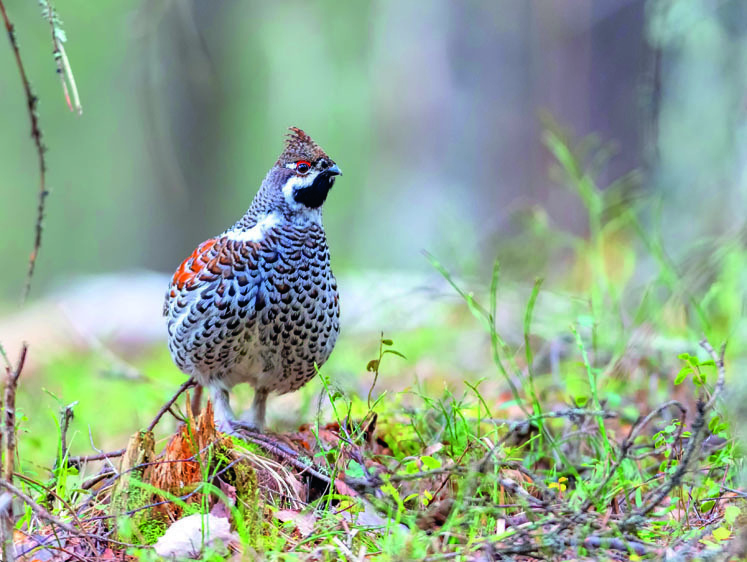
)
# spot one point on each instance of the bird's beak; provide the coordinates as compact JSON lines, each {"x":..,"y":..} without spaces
{"x":334,"y":170}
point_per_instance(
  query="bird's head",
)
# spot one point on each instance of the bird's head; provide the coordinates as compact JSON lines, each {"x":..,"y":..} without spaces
{"x":306,"y":173}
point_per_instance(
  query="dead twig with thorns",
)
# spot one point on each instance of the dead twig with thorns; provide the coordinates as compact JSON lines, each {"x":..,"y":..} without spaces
{"x":36,"y":135}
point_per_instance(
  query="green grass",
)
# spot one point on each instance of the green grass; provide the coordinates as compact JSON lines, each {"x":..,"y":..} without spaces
{"x":490,"y":440}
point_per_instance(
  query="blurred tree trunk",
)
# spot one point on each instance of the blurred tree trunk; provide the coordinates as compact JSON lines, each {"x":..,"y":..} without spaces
{"x":182,"y":103}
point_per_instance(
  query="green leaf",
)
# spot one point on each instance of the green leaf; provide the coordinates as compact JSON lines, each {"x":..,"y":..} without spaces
{"x":682,"y":375}
{"x":721,"y":534}
{"x":713,"y":424}
{"x":430,"y":463}
{"x":707,"y":506}
{"x":387,"y":342}
{"x":354,"y":470}
{"x":731,"y":512}
{"x":394,"y":352}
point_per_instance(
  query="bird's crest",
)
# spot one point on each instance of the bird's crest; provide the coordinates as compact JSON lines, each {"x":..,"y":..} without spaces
{"x":299,"y":146}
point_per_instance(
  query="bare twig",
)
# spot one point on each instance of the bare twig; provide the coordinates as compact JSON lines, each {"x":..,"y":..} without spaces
{"x":36,"y":135}
{"x":8,"y":450}
{"x":4,"y":356}
{"x":39,"y":510}
{"x":7,"y":549}
{"x":165,"y":408}
{"x":570,"y":413}
{"x":66,"y":416}
{"x":594,"y":541}
{"x":696,"y":440}
{"x":9,"y":424}
{"x":99,"y":451}
{"x":284,"y":453}
{"x":96,"y":457}
{"x":627,"y":445}
{"x":59,"y":498}
{"x":719,"y":360}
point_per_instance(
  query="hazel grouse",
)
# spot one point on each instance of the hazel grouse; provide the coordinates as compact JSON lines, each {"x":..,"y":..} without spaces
{"x":258,"y":303}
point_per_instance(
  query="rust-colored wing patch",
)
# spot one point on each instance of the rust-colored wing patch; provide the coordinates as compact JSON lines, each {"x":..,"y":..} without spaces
{"x":195,"y":263}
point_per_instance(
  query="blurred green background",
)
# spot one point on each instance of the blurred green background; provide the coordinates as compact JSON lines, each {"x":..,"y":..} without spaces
{"x":432,"y":109}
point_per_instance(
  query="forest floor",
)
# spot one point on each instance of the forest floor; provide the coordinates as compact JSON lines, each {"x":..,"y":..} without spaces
{"x":597,"y":420}
{"x":622,"y":455}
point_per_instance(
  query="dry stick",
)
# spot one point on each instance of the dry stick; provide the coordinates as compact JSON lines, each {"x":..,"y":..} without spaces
{"x":62,"y":500}
{"x":165,"y":408}
{"x":36,"y":135}
{"x":44,"y":514}
{"x":24,"y":553}
{"x":96,"y":457}
{"x":66,"y":416}
{"x":628,"y":443}
{"x":4,"y":355}
{"x":594,"y":541}
{"x":9,"y":427}
{"x":696,"y":439}
{"x":8,"y":432}
{"x":302,"y":466}
{"x":39,"y":510}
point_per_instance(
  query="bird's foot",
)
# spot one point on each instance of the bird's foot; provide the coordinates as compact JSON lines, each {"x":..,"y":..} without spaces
{"x":248,"y":431}
{"x":237,"y":427}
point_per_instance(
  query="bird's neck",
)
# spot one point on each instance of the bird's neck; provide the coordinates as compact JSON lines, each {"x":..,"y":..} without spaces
{"x":267,"y":213}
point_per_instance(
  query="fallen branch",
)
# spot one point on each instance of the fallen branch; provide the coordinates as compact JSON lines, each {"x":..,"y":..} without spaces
{"x":97,"y":457}
{"x":167,"y":406}
{"x":39,"y":510}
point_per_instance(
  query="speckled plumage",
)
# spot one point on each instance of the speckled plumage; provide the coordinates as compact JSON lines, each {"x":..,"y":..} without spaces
{"x":259,"y":303}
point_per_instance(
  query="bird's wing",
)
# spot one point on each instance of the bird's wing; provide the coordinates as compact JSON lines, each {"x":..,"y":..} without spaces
{"x":212,"y":302}
{"x":215,"y":260}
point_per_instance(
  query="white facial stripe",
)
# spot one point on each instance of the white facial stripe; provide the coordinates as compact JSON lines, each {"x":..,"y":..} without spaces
{"x":257,"y":232}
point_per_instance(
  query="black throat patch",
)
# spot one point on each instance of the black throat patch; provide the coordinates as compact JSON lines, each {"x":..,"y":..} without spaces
{"x":314,"y":195}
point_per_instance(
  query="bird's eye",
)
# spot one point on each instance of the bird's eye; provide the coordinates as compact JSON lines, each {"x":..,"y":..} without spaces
{"x":303,"y":167}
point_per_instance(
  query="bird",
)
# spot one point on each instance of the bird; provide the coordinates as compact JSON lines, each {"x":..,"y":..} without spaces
{"x":258,"y":303}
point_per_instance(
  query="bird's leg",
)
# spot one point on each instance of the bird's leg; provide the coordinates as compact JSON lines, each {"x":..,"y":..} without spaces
{"x":254,"y":419}
{"x":251,"y":424}
{"x":225,"y":420}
